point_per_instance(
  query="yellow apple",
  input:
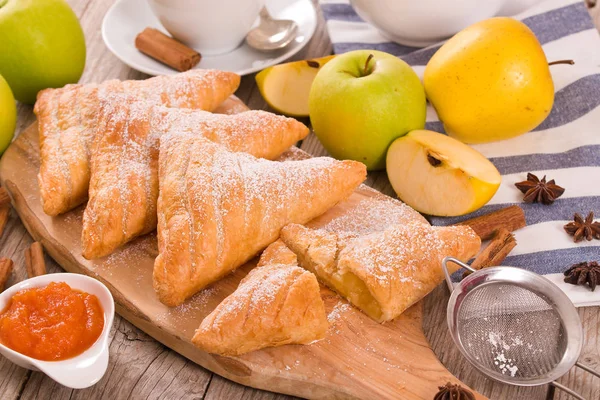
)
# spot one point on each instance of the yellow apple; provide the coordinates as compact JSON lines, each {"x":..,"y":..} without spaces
{"x":8,"y":115}
{"x":285,"y":87}
{"x":490,"y":82}
{"x":438,"y":175}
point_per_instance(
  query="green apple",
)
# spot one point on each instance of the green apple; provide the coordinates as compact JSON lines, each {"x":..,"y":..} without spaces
{"x":42,"y":46}
{"x":361,"y":101}
{"x":8,"y":115}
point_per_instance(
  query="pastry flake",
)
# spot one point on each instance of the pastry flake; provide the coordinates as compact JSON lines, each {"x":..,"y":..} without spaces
{"x":67,"y":118}
{"x":217,"y":209}
{"x":382,"y":273}
{"x":124,"y":164}
{"x":274,"y":305}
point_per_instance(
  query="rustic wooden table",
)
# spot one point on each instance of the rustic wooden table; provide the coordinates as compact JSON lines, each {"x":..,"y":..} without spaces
{"x":143,"y":368}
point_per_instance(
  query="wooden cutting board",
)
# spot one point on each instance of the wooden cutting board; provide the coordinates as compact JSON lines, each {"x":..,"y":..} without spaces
{"x":358,"y":359}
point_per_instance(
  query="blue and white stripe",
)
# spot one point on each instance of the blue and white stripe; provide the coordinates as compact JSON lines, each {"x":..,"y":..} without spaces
{"x":566,"y":147}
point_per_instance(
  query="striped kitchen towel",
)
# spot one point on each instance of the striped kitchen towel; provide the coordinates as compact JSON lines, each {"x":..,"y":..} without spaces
{"x":565,"y":147}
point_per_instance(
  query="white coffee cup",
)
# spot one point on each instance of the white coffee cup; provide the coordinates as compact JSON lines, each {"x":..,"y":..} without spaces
{"x":209,"y":26}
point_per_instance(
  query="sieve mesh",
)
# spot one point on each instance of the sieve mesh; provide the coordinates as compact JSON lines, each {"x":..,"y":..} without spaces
{"x":510,"y":331}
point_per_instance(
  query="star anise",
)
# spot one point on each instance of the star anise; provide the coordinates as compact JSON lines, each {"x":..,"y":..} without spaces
{"x":539,"y":191}
{"x":583,"y":229}
{"x":584,"y":273}
{"x":453,"y":392}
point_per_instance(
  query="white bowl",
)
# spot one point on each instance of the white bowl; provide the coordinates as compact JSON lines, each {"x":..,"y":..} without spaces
{"x":514,"y":7}
{"x":421,"y":23}
{"x":85,"y":369}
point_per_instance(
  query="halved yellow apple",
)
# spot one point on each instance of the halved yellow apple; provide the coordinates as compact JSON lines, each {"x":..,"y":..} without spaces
{"x":438,"y":175}
{"x":285,"y":87}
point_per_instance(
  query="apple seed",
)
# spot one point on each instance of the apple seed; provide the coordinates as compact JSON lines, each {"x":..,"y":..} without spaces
{"x":433,"y":161}
{"x":312,"y":64}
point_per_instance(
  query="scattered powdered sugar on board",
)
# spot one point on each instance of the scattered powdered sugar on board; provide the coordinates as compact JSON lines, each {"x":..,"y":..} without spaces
{"x":294,"y":154}
{"x":338,"y":310}
{"x":188,"y":310}
{"x":133,"y":254}
{"x":373,"y":215}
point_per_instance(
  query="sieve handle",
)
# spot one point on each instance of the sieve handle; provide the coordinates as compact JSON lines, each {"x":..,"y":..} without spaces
{"x":447,"y":273}
{"x":588,"y":369}
{"x":569,"y":391}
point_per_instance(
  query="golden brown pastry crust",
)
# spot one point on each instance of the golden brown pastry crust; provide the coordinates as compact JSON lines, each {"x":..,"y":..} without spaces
{"x":124,"y":163}
{"x":217,"y":209}
{"x":274,"y":305}
{"x":67,"y":121}
{"x":392,"y":269}
{"x":277,"y":253}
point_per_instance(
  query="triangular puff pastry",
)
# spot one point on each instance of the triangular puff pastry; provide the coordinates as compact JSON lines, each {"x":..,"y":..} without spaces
{"x":275,"y":304}
{"x":277,"y":253}
{"x":217,"y":209}
{"x":381,"y":273}
{"x":124,"y":164}
{"x":67,"y":119}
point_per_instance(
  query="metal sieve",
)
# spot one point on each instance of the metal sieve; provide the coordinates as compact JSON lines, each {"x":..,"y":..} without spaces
{"x":515,"y":326}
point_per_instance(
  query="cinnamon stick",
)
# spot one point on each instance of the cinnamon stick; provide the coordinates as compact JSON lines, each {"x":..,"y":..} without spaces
{"x":510,"y":218}
{"x":6,"y":267}
{"x":34,"y":260}
{"x":4,"y":211}
{"x":496,"y":251}
{"x":167,"y":50}
{"x":4,"y":197}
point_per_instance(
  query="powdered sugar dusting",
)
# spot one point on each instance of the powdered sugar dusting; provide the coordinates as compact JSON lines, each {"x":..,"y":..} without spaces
{"x":190,"y":309}
{"x":135,"y":253}
{"x":257,"y":293}
{"x":399,"y":251}
{"x":504,"y":364}
{"x":129,"y":149}
{"x":264,"y":195}
{"x":373,"y":215}
{"x":263,"y":296}
{"x":337,"y":314}
{"x":70,"y":115}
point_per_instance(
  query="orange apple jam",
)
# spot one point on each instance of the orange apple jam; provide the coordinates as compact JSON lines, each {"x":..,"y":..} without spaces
{"x":51,"y":323}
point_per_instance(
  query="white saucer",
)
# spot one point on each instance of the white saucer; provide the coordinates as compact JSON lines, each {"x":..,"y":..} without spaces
{"x":126,"y":18}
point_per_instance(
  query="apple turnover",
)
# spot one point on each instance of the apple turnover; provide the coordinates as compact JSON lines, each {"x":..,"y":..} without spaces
{"x":124,"y":163}
{"x":277,"y":253}
{"x":217,"y":209}
{"x":382,"y":273}
{"x":67,"y":119}
{"x":274,"y":305}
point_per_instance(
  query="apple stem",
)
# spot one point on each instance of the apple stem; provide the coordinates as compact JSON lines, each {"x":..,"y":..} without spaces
{"x":570,"y":62}
{"x":3,"y":3}
{"x":433,"y":161}
{"x":366,"y":70}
